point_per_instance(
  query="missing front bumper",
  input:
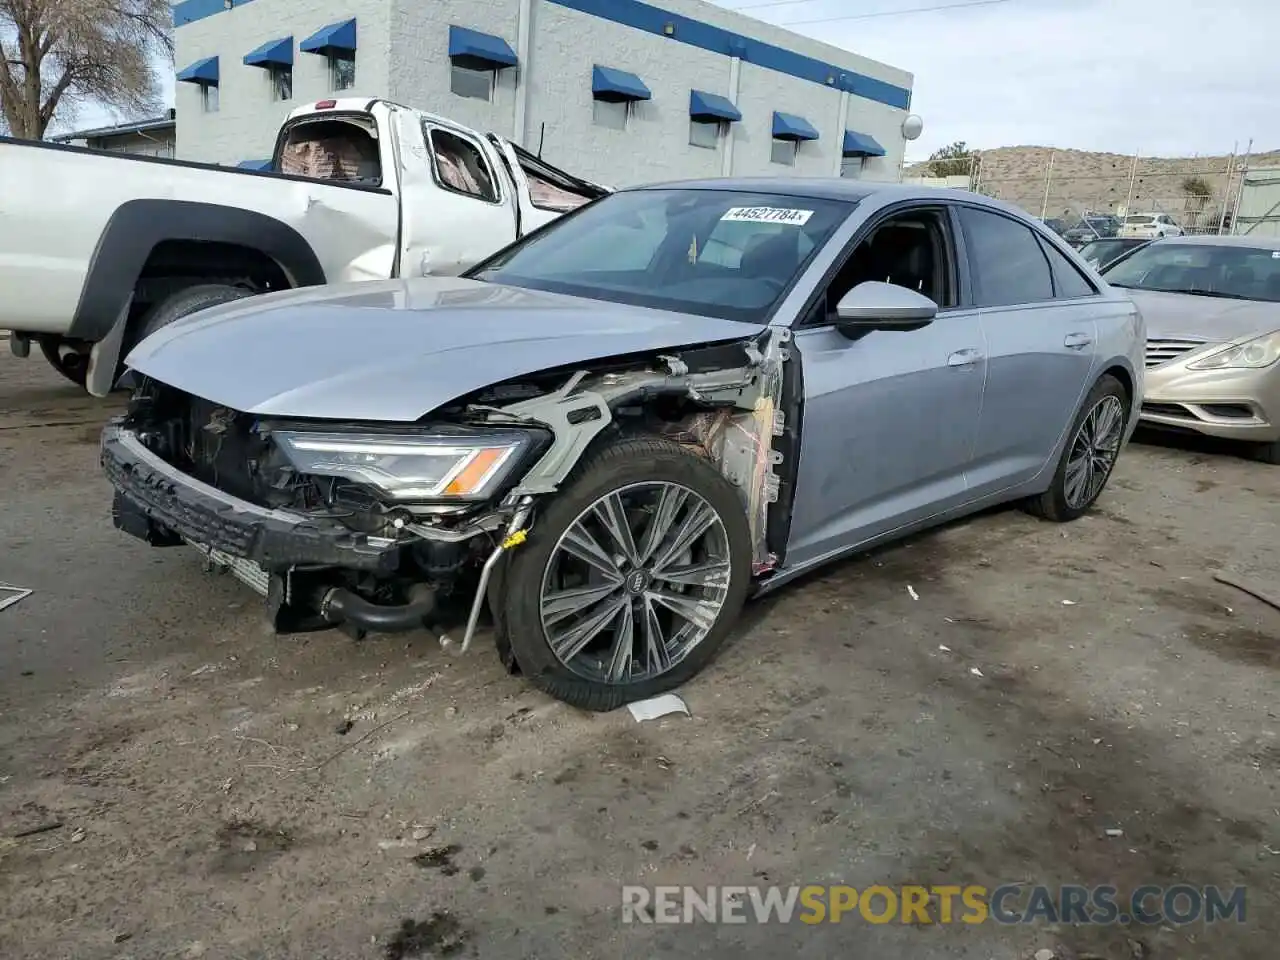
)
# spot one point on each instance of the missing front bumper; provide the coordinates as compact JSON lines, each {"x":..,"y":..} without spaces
{"x":158,"y":503}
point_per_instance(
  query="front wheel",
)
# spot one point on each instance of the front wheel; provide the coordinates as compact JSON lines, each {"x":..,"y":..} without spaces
{"x":1089,"y":456}
{"x":631,"y":578}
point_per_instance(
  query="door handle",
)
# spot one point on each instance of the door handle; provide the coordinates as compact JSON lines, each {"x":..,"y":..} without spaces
{"x":964,"y":358}
{"x":1077,"y":341}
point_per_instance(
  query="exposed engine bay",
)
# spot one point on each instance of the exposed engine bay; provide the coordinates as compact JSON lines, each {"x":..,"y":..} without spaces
{"x":734,"y":403}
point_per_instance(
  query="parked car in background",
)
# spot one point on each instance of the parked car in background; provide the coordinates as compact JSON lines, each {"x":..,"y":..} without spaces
{"x":1056,"y":225}
{"x":1100,"y":253}
{"x":599,"y":430}
{"x":1091,"y":228}
{"x":100,"y":249}
{"x":1149,"y":226}
{"x":1212,"y":306}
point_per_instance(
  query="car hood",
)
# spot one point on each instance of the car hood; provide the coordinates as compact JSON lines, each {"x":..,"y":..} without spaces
{"x":396,"y":350}
{"x":1185,"y":316}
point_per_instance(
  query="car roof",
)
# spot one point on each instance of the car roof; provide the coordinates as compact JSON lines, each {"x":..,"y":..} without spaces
{"x":834,"y":188}
{"x":1215,"y":240}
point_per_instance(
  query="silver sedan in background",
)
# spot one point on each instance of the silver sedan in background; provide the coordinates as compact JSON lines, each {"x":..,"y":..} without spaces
{"x":1212,"y":306}
{"x":616,"y":430}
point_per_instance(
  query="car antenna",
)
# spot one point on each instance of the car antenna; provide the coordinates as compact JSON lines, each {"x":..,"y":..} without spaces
{"x":542,"y":132}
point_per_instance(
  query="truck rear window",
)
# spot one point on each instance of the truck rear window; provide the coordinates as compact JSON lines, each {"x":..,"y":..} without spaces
{"x":332,"y":149}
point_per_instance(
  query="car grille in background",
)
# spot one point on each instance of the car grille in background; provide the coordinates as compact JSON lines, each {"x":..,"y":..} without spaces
{"x":1162,"y":351}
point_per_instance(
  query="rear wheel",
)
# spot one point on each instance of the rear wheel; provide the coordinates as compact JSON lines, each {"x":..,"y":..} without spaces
{"x":630,"y":579}
{"x":184,"y":302}
{"x":1089,"y":456}
{"x":1267,"y":452}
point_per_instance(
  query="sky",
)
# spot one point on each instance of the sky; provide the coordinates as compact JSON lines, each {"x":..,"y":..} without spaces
{"x":1163,"y":77}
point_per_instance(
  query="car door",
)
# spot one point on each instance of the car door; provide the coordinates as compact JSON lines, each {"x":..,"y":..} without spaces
{"x":1038,"y":319}
{"x":889,"y":419}
{"x":456,"y":210}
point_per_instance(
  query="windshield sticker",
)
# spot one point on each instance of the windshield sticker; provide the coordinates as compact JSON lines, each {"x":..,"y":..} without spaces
{"x":797,"y":218}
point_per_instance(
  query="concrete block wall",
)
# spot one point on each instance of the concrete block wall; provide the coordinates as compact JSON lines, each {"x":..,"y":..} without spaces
{"x":248,"y":118}
{"x":403,"y":54}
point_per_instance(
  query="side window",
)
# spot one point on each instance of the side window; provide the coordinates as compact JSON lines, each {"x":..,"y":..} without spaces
{"x":461,"y":167}
{"x":911,"y":250}
{"x":1068,"y":282}
{"x":1005,"y":260}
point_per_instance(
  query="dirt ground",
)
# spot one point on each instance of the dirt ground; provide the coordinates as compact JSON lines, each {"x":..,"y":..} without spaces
{"x":1051,"y":684}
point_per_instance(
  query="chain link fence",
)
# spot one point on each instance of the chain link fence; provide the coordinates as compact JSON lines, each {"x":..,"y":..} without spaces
{"x":1065,"y":187}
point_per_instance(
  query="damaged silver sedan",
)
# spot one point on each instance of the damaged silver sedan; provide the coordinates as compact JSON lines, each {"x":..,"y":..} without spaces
{"x":616,"y":430}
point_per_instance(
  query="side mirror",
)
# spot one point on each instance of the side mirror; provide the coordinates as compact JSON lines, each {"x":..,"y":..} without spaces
{"x":875,"y":305}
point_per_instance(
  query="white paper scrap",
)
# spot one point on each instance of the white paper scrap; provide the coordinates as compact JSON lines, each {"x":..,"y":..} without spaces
{"x":655,"y":707}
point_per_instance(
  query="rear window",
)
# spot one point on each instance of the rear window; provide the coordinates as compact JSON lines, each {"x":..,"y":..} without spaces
{"x":1139,"y":218}
{"x":335,"y":148}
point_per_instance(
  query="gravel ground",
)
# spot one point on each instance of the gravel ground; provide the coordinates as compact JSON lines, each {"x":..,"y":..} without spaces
{"x":210,"y":807}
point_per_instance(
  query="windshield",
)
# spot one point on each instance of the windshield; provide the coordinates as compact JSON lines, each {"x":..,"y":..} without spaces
{"x":709,"y":252}
{"x":1139,"y":218}
{"x":1244,"y":273}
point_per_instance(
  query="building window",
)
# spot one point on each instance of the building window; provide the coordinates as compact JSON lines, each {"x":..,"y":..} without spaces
{"x":208,"y":98}
{"x":281,"y":82}
{"x":704,"y":134}
{"x":851,"y":167}
{"x":783,"y":152}
{"x":606,"y":113}
{"x":470,"y":82}
{"x":342,"y":72}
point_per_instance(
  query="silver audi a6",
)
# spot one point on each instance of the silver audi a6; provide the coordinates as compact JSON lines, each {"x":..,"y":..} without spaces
{"x":615,"y":431}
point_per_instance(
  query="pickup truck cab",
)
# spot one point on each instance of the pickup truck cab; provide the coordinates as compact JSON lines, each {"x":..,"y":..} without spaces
{"x":357,"y":189}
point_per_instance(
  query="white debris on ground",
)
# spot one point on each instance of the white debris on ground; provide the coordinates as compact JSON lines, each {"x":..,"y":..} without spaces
{"x":655,"y":707}
{"x":11,"y":595}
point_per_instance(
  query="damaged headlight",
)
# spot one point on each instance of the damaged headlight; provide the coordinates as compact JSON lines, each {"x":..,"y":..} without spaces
{"x":1253,"y":354}
{"x":407,"y":466}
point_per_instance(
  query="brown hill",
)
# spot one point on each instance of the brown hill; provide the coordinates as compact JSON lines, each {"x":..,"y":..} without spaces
{"x":1082,"y":181}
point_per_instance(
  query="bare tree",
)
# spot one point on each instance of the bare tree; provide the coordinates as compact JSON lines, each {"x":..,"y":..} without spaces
{"x":56,"y":53}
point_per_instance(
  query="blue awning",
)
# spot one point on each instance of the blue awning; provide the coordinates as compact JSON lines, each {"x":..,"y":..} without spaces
{"x":336,"y":38}
{"x":861,"y":145}
{"x":787,"y":126}
{"x":203,"y":72}
{"x":712,"y":106}
{"x":482,"y":50}
{"x":254,"y":164}
{"x":617,"y":85}
{"x":273,"y":53}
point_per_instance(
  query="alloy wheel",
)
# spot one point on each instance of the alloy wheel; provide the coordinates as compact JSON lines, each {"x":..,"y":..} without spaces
{"x":1093,"y":452}
{"x":635,"y":583}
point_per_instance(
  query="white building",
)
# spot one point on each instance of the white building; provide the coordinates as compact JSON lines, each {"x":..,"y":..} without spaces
{"x":617,"y":91}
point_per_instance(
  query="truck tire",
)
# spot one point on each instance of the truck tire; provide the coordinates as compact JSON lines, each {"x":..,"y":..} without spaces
{"x":184,"y":302}
{"x":631,"y":578}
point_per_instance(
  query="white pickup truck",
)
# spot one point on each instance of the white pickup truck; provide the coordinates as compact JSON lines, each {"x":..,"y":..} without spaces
{"x":98,"y":250}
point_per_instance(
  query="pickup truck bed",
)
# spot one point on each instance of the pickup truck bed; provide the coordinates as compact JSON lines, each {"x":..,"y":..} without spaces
{"x":98,"y":249}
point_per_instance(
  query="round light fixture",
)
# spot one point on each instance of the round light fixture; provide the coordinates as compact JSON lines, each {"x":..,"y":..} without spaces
{"x":912,"y":127}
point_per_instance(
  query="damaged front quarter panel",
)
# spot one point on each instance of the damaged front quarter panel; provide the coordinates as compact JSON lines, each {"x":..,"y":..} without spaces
{"x":734,"y":395}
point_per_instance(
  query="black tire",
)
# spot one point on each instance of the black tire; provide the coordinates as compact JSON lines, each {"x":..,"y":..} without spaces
{"x":75,"y":366}
{"x":1267,"y":452}
{"x":182,"y":303}
{"x":615,"y":466}
{"x":1052,"y":504}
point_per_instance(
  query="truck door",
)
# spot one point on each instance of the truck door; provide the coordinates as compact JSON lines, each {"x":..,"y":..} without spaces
{"x":456,"y":209}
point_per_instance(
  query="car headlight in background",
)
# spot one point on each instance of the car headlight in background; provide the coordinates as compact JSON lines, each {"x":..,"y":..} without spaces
{"x":408,"y":467}
{"x":1253,"y":354}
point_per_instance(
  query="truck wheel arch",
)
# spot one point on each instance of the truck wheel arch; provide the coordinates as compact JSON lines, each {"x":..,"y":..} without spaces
{"x":138,"y":226}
